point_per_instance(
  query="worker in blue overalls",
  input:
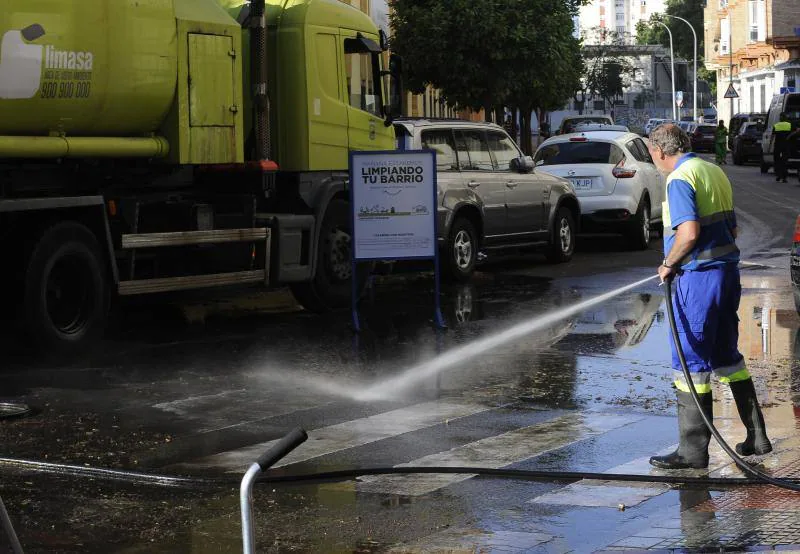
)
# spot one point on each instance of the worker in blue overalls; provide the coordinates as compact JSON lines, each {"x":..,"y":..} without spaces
{"x":701,"y":254}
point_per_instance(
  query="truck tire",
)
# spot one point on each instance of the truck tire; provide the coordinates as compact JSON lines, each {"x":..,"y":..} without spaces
{"x":461,"y":251}
{"x":639,"y":231}
{"x":330,"y":289}
{"x":66,"y":296}
{"x":562,"y":241}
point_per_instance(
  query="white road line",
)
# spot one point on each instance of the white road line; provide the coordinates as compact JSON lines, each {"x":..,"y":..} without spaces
{"x":349,"y":434}
{"x":498,"y":451}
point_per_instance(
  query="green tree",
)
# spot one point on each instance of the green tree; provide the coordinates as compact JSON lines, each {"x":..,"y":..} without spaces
{"x":648,"y":32}
{"x":542,"y":46}
{"x":490,"y":53}
{"x":451,"y":44}
{"x":607,"y":73}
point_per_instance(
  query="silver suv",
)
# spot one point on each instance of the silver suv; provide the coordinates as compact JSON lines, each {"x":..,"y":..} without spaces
{"x":490,"y":196}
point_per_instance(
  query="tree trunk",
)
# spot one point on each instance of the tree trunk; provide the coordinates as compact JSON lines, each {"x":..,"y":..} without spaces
{"x":514,"y":125}
{"x":525,"y":130}
{"x":499,"y":115}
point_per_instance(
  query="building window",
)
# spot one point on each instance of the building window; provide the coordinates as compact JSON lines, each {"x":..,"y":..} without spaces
{"x":621,"y":30}
{"x":620,"y":16}
{"x":756,"y":17}
{"x":644,"y":2}
{"x":723,"y":4}
{"x":724,"y":36}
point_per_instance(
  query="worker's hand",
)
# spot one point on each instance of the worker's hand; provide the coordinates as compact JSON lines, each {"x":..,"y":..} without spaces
{"x":666,"y":273}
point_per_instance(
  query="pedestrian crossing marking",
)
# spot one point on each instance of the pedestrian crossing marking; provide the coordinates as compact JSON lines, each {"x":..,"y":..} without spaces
{"x":497,"y":451}
{"x":349,"y":434}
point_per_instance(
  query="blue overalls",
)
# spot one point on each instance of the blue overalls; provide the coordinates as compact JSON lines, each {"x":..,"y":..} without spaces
{"x":708,"y":290}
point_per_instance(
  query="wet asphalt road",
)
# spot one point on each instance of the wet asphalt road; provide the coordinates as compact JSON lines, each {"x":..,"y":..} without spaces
{"x":198,"y":386}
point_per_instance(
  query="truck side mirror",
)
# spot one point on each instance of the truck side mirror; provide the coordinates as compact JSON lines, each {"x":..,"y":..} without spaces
{"x":395,"y":73}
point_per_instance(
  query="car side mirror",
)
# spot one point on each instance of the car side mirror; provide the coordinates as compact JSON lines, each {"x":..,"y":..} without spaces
{"x":523,"y":164}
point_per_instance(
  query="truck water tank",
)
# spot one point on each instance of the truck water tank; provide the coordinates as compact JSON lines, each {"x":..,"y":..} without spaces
{"x":86,"y":67}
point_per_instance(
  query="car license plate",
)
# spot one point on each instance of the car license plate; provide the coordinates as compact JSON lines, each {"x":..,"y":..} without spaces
{"x":582,"y":184}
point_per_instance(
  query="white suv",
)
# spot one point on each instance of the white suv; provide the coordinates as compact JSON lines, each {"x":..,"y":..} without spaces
{"x":617,"y":184}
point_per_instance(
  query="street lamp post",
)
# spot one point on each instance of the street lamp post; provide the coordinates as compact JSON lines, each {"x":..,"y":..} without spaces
{"x":672,"y":65}
{"x":694,"y":95}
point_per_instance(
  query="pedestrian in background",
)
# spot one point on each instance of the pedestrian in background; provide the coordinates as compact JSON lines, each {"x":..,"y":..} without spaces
{"x":701,"y":255}
{"x":780,"y":151}
{"x":721,"y":142}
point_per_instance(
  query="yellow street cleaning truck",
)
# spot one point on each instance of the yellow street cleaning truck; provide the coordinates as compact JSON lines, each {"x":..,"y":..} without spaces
{"x":161,"y":145}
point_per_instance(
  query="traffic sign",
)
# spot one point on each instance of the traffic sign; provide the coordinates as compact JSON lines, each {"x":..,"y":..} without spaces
{"x":731,"y":92}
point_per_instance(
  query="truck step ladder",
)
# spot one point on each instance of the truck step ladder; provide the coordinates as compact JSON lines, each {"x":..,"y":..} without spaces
{"x":185,"y":238}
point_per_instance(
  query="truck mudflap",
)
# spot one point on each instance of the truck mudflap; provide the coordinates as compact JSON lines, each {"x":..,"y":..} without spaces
{"x":293,"y":246}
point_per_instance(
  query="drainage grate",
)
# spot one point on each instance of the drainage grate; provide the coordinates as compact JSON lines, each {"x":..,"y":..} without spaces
{"x":10,"y":409}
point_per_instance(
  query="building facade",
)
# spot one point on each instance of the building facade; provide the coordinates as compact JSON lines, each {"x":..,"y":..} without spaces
{"x":753,"y":45}
{"x":620,"y":16}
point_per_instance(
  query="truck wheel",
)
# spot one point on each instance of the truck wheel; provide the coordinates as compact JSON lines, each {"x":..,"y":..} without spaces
{"x":562,"y":241}
{"x":460,"y":251}
{"x":639,"y":233}
{"x":330,"y":287}
{"x":66,"y":290}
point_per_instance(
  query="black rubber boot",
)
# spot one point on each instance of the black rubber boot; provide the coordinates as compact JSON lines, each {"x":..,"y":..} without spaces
{"x":744,"y":393}
{"x":692,"y":449}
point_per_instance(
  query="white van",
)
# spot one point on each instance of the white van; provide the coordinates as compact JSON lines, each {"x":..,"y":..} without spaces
{"x":790,"y":104}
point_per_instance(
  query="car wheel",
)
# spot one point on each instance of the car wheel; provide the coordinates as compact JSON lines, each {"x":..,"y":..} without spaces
{"x":562,"y":237}
{"x":639,"y":233}
{"x":461,"y":251}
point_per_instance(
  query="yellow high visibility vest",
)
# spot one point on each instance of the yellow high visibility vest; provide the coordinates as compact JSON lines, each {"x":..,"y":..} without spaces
{"x":714,"y":198}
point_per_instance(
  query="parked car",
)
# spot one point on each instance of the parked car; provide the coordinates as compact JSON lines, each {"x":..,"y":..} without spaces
{"x":746,"y":144}
{"x":619,"y":188}
{"x":703,"y":138}
{"x":740,"y":119}
{"x":569,"y":123}
{"x":583,"y":127}
{"x":789,"y":104}
{"x":652,"y":124}
{"x":687,"y":126}
{"x":490,"y":196}
{"x":794,"y":264}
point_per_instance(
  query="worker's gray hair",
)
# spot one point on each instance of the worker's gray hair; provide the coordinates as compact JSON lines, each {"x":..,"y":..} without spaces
{"x":671,"y":139}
